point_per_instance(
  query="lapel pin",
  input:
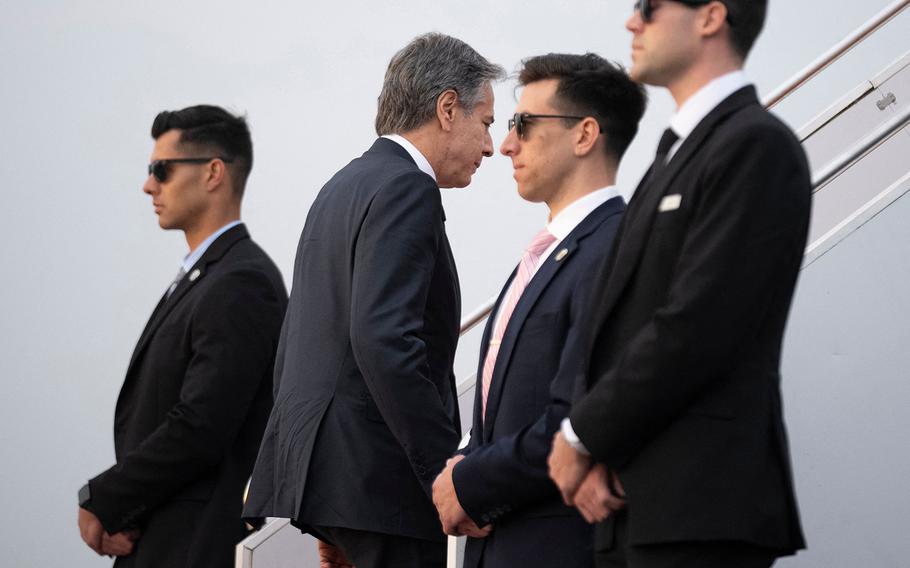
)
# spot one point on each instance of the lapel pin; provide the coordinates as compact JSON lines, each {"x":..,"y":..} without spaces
{"x":561,"y":254}
{"x":195,"y":274}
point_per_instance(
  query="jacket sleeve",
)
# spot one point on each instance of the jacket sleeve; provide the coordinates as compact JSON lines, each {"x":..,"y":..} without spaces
{"x":394,"y":261}
{"x":738,"y":258}
{"x":233,"y":334}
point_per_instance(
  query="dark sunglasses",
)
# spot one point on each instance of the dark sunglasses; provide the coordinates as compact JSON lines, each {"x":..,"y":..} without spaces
{"x":646,"y":7}
{"x":159,"y":168}
{"x":519,"y":121}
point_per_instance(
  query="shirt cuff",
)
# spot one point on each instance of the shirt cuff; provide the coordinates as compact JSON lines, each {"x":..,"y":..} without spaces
{"x":572,"y":438}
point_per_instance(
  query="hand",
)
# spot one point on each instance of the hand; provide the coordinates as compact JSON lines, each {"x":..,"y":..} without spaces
{"x":594,"y":498}
{"x":332,"y":557}
{"x":568,"y":467}
{"x":470,"y":528}
{"x":91,"y":530}
{"x":119,"y":544}
{"x":451,"y":515}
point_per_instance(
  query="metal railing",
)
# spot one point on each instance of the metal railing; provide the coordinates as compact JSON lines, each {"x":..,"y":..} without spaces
{"x":836,"y":52}
{"x":878,"y":137}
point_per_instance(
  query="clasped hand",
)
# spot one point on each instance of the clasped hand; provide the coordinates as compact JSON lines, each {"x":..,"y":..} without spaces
{"x":102,"y":542}
{"x":590,"y":488}
{"x":455,"y":521}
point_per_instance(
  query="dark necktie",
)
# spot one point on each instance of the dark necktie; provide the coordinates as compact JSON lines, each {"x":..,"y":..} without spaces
{"x":660,"y":161}
{"x":663,"y":148}
{"x":180,"y":274}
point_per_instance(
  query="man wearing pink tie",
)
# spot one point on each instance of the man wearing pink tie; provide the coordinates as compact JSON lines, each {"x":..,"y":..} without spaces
{"x":575,"y":118}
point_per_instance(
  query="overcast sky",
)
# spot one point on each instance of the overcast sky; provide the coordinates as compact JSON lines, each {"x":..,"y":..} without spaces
{"x":84,"y":260}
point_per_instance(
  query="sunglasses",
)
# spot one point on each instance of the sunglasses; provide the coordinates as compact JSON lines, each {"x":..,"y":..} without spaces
{"x":519,"y":121}
{"x":159,"y":168}
{"x":646,"y":8}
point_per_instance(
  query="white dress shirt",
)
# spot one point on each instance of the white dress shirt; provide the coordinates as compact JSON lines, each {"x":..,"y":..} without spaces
{"x":415,"y":154}
{"x":560,"y":227}
{"x":687,"y":117}
{"x":706,"y":99}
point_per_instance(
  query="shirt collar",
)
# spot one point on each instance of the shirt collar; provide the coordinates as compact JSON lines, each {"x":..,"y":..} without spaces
{"x":704,"y":101}
{"x":415,"y":154}
{"x":192,"y":258}
{"x":569,"y":218}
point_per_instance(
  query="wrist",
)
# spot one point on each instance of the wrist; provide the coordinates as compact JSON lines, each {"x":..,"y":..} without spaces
{"x":572,"y":438}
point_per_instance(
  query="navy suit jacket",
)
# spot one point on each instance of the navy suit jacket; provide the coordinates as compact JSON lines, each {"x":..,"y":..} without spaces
{"x":503,"y":479}
{"x":365,"y":411}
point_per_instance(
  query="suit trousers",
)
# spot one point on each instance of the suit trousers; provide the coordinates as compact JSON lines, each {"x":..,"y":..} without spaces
{"x":680,"y":554}
{"x":367,"y":549}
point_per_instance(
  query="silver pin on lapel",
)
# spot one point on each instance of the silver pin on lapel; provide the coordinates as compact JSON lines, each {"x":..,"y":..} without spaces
{"x":561,"y":254}
{"x":195,"y":274}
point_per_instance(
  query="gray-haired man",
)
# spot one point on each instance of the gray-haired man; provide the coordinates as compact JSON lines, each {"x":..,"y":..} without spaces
{"x":365,"y":411}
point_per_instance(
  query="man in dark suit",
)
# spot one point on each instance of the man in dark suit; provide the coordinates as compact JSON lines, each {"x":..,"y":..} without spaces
{"x":197,"y":391}
{"x":365,"y":409}
{"x":576,"y":116}
{"x":680,"y":406}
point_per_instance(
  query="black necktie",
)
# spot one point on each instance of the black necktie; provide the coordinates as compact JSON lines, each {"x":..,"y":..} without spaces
{"x":663,"y":148}
{"x":660,"y":161}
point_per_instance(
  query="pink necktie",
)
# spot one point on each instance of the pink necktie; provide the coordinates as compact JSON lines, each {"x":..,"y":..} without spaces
{"x":529,"y":261}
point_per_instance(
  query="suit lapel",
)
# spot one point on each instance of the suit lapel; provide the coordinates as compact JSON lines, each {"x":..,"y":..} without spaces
{"x":643,"y":208}
{"x":217,"y":249}
{"x":539,"y":282}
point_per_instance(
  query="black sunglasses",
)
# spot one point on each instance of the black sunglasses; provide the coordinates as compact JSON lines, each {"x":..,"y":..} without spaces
{"x":158,"y":168}
{"x":646,"y":8}
{"x":519,"y":121}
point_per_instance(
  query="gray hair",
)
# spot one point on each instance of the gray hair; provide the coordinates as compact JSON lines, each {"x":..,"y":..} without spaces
{"x":427,"y":67}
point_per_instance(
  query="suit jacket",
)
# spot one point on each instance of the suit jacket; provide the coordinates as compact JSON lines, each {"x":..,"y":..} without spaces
{"x":683,"y":384}
{"x":365,"y":406}
{"x":192,"y":410}
{"x":503,"y":480}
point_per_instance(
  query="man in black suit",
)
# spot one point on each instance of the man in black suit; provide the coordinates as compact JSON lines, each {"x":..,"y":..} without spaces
{"x":576,"y":116}
{"x":365,"y":409}
{"x":197,"y":391}
{"x":680,"y":406}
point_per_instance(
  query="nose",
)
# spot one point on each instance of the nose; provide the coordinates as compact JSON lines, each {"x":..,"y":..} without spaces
{"x":151,"y":185}
{"x":634,"y":23}
{"x":487,"y":145}
{"x":509,"y":145}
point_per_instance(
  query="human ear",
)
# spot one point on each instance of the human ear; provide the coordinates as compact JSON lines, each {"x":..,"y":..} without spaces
{"x":587,"y":136}
{"x":713,"y":19}
{"x":216,"y":170}
{"x":446,"y":106}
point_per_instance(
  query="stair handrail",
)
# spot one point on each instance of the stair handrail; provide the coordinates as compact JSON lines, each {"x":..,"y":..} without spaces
{"x":836,"y":52}
{"x":878,"y":136}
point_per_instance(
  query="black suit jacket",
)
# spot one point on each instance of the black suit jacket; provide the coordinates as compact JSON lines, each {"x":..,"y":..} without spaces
{"x":683,"y":385}
{"x":192,"y":410}
{"x":365,"y":408}
{"x":503,"y":480}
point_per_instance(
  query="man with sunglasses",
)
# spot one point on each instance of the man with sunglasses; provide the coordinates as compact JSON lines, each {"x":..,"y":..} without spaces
{"x":576,"y":116}
{"x":197,"y":392}
{"x":680,"y":406}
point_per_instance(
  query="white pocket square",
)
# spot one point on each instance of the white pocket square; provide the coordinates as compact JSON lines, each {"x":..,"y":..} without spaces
{"x":670,"y":203}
